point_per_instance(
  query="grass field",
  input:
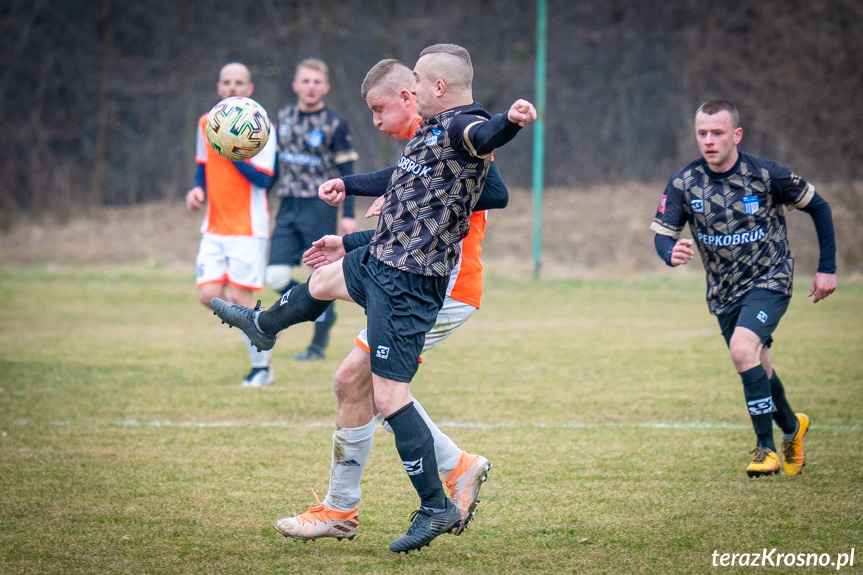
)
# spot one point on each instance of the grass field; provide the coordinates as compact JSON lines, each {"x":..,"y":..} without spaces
{"x":610,"y":410}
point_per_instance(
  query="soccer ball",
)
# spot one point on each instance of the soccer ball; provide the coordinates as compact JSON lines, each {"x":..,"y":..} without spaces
{"x":238,"y":128}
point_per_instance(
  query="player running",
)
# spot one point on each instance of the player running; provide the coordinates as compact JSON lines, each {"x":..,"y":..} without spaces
{"x":733,"y":203}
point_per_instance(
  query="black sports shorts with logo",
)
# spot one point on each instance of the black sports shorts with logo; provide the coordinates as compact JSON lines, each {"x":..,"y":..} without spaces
{"x":401,"y":308}
{"x":758,"y":310}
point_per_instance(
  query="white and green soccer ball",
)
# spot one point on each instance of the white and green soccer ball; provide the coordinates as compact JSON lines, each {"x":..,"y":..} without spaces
{"x":238,"y":128}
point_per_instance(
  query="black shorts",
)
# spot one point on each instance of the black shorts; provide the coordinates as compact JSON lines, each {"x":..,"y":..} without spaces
{"x":759,"y":310}
{"x":400,"y":308}
{"x":299,"y":222}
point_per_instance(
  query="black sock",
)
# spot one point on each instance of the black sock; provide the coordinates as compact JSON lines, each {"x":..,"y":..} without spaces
{"x":784,"y":415}
{"x":323,"y":325}
{"x":296,"y":306}
{"x":291,"y":285}
{"x":756,"y":389}
{"x":416,"y":448}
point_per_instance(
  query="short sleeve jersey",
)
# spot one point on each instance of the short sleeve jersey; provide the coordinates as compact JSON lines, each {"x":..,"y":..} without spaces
{"x":311,"y":146}
{"x":431,"y":195}
{"x":235,"y":206}
{"x":738,"y":223}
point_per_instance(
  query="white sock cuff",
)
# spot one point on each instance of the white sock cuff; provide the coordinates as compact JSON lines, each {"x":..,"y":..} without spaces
{"x":353,"y":434}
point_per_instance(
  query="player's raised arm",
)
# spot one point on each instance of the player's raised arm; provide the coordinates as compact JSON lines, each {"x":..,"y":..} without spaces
{"x":522,"y":113}
{"x":489,"y":135}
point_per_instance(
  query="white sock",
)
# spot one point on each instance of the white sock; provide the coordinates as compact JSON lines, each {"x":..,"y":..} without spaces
{"x":353,"y":445}
{"x":257,"y":358}
{"x":446,"y":451}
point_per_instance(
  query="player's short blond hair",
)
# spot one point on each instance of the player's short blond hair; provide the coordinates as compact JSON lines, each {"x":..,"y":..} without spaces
{"x":391,"y":75}
{"x":314,"y":64}
{"x":451,"y":63}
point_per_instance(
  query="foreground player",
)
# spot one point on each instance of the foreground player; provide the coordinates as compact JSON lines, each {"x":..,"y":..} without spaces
{"x":314,"y":145}
{"x":233,"y":250}
{"x":386,"y":89}
{"x":733,"y":203}
{"x":401,"y":278}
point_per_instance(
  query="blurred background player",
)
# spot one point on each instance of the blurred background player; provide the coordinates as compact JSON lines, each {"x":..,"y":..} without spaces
{"x":733,"y":202}
{"x":386,"y":90}
{"x":233,"y":250}
{"x":314,"y":145}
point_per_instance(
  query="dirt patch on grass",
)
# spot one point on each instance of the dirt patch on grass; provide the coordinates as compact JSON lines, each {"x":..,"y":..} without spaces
{"x":594,"y":231}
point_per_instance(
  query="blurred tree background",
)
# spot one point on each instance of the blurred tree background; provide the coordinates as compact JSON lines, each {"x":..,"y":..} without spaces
{"x":99,"y":98}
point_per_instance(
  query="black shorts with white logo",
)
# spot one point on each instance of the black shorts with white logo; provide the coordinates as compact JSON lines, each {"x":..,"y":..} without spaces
{"x":759,"y":311}
{"x":400,"y":308}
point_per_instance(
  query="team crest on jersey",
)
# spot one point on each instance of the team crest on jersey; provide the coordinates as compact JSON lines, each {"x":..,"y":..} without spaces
{"x":697,"y":205}
{"x":751,"y":205}
{"x":315,"y":138}
{"x":431,"y":139}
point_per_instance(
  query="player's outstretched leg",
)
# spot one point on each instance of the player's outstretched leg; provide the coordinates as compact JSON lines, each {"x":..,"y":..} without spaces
{"x":320,"y":521}
{"x":427,"y":524}
{"x":296,"y":306}
{"x":792,"y":449}
{"x":246,"y":319}
{"x":463,"y":484}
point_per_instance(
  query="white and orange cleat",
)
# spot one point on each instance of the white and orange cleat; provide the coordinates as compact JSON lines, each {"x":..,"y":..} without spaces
{"x":463,"y":484}
{"x":320,"y":521}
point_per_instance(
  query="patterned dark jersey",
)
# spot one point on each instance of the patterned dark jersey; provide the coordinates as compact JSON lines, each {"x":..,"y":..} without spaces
{"x":311,"y":146}
{"x":431,"y":195}
{"x":738,"y":223}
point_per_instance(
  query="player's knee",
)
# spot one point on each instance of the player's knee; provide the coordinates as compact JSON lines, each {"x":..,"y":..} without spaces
{"x":743,"y":355}
{"x":278,"y":277}
{"x":205,"y":299}
{"x":208,"y":291}
{"x":349,"y":385}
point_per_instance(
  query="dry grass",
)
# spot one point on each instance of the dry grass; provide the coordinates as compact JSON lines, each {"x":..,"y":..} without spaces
{"x":587,"y":232}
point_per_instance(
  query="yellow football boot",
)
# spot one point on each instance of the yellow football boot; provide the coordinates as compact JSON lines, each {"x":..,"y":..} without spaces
{"x":764,"y":462}
{"x":792,"y":450}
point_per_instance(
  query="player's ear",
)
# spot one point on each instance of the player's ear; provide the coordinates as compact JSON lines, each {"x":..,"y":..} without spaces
{"x":251,"y":88}
{"x":440,"y":87}
{"x":406,"y":96}
{"x":738,"y":135}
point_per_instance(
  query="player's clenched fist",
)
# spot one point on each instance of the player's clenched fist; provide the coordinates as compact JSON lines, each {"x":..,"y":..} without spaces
{"x":332,"y":191}
{"x":522,"y":113}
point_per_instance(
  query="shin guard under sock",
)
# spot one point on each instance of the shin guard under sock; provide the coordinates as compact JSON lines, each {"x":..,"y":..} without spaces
{"x":416,"y":448}
{"x":296,"y":306}
{"x":783,"y":416}
{"x":756,"y":389}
